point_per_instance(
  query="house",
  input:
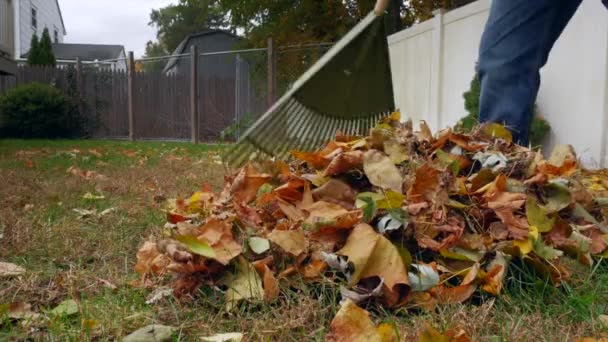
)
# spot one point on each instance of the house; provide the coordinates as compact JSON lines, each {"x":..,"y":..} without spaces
{"x":19,"y":20}
{"x":33,"y":16}
{"x":103,"y":56}
{"x":7,"y":36}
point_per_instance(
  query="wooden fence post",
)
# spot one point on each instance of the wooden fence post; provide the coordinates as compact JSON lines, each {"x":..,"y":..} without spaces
{"x":131,"y":93}
{"x":79,"y":87}
{"x":272,"y":71}
{"x":194,"y":94}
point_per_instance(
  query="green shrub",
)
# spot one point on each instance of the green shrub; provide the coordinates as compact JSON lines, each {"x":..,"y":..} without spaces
{"x":538,"y":130}
{"x":38,"y":110}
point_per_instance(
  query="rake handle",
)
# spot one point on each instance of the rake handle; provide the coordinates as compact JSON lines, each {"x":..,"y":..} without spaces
{"x":380,"y":7}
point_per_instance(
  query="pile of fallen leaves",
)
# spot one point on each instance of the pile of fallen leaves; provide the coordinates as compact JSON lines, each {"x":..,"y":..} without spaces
{"x":401,"y":218}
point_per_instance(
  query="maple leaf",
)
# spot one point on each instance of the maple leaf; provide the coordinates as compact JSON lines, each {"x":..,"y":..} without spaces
{"x":243,"y":283}
{"x":353,"y":324}
{"x":374,"y":256}
{"x":381,"y":171}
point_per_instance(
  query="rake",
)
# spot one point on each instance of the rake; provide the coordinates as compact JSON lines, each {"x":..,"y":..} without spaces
{"x":348,"y":90}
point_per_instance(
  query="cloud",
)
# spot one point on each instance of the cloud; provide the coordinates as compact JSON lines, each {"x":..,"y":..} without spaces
{"x":121,"y":22}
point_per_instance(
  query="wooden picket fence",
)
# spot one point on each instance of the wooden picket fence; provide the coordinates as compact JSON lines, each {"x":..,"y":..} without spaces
{"x":161,"y":102}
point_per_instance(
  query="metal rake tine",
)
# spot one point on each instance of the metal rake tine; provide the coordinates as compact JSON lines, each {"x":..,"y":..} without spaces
{"x":262,"y":135}
{"x":300,"y":138}
{"x":303,"y":135}
{"x":269,"y":135}
{"x":317,"y":133}
{"x":300,"y":117}
{"x":250,"y":138}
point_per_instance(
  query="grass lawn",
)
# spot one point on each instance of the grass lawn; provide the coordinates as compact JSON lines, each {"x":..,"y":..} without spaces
{"x":90,"y":259}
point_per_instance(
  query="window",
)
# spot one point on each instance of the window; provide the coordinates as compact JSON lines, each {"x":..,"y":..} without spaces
{"x":34,"y":18}
{"x":56,"y":35}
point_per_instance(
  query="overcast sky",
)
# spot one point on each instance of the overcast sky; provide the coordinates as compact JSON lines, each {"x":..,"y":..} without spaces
{"x":121,"y":22}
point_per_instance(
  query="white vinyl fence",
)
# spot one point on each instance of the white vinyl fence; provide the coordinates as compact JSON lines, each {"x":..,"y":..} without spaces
{"x":434,"y":61}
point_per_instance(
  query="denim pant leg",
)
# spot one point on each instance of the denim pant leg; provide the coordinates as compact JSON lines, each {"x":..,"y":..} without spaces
{"x":516,"y":42}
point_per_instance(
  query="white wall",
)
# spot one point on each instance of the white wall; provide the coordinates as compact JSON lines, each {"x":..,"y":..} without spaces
{"x":433,"y":64}
{"x":48,"y":16}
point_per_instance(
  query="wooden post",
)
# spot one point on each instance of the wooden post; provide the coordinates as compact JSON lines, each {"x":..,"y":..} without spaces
{"x":194,"y":94}
{"x":272,"y":71}
{"x":131,"y":94}
{"x":79,"y":87}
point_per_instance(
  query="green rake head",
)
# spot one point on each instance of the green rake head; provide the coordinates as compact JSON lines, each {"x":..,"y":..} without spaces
{"x":348,"y":90}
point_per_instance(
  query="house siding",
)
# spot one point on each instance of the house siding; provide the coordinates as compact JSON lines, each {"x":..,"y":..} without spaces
{"x":48,"y":16}
{"x":7,"y":28}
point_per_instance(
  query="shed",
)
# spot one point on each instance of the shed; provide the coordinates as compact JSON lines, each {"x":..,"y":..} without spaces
{"x":226,"y":87}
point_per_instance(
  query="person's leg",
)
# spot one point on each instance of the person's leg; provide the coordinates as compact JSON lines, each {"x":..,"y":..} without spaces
{"x":516,"y":43}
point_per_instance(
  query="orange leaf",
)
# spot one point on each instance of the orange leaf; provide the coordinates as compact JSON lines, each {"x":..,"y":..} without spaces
{"x":425,"y":185}
{"x":246,"y":184}
{"x":345,"y":162}
{"x":454,"y":295}
{"x":314,"y":159}
{"x":150,"y":260}
{"x":218,"y":234}
{"x":291,"y":241}
{"x":352,"y":324}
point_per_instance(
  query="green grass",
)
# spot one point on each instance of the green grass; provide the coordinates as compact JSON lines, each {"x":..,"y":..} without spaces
{"x":91,"y":259}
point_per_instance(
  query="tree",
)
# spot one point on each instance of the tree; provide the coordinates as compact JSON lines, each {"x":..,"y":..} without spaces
{"x":33,"y":56}
{"x":175,"y":22}
{"x":154,"y":49}
{"x":47,"y":55}
{"x":41,"y":51}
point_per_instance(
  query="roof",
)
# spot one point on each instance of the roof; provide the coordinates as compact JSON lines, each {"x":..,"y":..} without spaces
{"x":184,"y":44}
{"x":61,"y":16}
{"x":87,"y":52}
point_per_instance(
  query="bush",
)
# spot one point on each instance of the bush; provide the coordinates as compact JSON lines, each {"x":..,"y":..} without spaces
{"x":538,"y":130}
{"x":38,"y":110}
{"x":233,"y":131}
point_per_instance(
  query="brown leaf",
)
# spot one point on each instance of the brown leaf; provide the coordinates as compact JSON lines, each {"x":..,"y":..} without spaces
{"x":506,"y":200}
{"x":381,"y":171}
{"x":492,"y":281}
{"x":307,"y":198}
{"x":290,"y":211}
{"x":324,"y":214}
{"x":352,"y":324}
{"x":8,"y":269}
{"x":291,"y":241}
{"x":375,"y":256}
{"x":269,"y":282}
{"x":518,"y":226}
{"x":290,"y":191}
{"x":150,"y":260}
{"x":454,"y":295}
{"x":246,"y":184}
{"x":175,"y":251}
{"x":425,"y":186}
{"x":314,"y":159}
{"x":430,"y":334}
{"x":337,"y":192}
{"x":218,"y":234}
{"x":21,"y":310}
{"x":314,"y":269}
{"x":345,"y":162}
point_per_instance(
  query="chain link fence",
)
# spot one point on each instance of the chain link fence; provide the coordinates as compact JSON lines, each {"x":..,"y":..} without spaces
{"x":232,"y":90}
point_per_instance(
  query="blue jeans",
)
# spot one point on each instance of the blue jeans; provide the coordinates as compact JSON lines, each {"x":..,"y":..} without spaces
{"x":516,"y":43}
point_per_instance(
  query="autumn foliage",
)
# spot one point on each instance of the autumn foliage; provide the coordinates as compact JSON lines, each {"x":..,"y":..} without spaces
{"x":399,"y":218}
